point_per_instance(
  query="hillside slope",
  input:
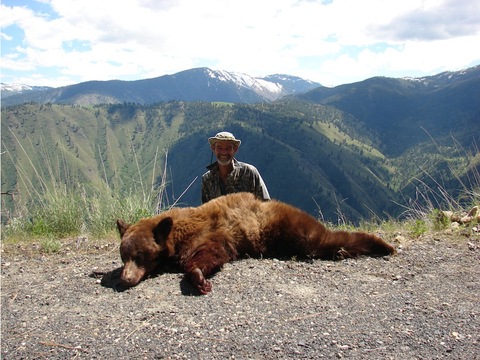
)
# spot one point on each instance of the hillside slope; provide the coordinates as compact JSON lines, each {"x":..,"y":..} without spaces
{"x":356,"y":150}
{"x":405,"y":112}
{"x":306,"y":154}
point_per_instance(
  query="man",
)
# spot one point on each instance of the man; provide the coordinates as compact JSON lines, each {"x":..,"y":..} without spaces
{"x":227,"y":175}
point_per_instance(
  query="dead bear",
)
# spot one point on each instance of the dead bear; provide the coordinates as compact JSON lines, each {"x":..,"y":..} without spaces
{"x":200,"y":240}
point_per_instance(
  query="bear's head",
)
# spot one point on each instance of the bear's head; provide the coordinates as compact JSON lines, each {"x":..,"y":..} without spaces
{"x":143,"y":247}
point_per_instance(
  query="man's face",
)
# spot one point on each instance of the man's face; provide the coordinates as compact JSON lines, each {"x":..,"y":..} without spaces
{"x":224,"y":152}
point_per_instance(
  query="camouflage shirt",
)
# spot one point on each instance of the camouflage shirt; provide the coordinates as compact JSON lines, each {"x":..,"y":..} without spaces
{"x":244,"y":177}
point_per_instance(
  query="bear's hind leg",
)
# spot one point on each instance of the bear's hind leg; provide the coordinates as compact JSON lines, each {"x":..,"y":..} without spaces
{"x":342,"y":244}
{"x":361,"y":243}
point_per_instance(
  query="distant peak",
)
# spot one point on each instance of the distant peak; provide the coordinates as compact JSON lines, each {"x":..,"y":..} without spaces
{"x":21,"y":88}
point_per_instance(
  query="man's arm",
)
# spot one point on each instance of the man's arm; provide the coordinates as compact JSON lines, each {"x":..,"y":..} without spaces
{"x":261,"y":190}
{"x":205,"y":194}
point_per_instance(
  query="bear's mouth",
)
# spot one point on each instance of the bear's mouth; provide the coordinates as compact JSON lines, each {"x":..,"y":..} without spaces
{"x":131,"y":274}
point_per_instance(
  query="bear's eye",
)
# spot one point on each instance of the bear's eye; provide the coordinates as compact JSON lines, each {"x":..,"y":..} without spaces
{"x":138,"y":259}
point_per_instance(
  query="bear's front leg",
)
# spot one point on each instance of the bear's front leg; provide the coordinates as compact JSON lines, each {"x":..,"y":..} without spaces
{"x":206,"y":259}
{"x":198,"y":280}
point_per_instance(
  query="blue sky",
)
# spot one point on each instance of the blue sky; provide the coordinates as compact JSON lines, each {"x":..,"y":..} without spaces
{"x":62,"y":42}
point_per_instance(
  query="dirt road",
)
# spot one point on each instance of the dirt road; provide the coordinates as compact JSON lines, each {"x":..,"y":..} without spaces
{"x":423,"y":303}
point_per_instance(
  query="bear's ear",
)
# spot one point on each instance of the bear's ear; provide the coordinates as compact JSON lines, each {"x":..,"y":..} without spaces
{"x":122,"y":227}
{"x":162,"y":230}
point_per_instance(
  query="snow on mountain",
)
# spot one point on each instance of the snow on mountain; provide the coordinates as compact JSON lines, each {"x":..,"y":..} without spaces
{"x":198,"y":84}
{"x":268,"y":89}
{"x":288,"y":78}
{"x":15,"y":88}
{"x":445,"y":78}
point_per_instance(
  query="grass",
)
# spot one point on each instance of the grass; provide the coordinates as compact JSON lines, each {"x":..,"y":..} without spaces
{"x":427,"y":211}
{"x":64,"y":214}
{"x":57,"y":209}
{"x":427,"y":208}
{"x":49,"y":245}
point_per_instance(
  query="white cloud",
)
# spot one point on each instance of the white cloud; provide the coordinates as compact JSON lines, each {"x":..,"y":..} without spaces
{"x":435,"y":20}
{"x":6,"y":37}
{"x":344,"y":40}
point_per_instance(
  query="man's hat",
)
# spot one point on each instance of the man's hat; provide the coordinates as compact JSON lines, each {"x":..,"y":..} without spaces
{"x":224,"y":136}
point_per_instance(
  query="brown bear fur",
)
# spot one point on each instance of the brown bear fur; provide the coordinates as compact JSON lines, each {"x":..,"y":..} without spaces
{"x":202,"y":239}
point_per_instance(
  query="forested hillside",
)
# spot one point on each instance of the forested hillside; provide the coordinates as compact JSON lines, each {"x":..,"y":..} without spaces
{"x":308,"y":154}
{"x":313,"y":156}
{"x":407,"y":112}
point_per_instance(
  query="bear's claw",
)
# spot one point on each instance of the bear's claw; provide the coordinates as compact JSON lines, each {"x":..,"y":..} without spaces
{"x":205,"y":287}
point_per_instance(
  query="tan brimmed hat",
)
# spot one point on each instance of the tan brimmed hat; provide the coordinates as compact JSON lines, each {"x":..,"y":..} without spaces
{"x":224,"y":136}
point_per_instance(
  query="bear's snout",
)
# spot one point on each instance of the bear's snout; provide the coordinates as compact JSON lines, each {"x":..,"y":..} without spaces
{"x":131,"y":274}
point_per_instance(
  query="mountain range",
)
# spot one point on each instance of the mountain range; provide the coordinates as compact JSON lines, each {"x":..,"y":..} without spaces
{"x":200,"y":84}
{"x":18,"y":89}
{"x":358,"y":149}
{"x":404,"y":112}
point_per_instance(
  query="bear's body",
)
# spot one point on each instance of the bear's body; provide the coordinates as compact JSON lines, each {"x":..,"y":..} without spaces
{"x":202,"y":239}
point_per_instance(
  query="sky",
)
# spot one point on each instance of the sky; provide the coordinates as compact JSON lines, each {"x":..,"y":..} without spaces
{"x":333,"y":42}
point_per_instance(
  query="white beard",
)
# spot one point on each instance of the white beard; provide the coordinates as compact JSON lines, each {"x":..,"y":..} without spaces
{"x":224,"y":162}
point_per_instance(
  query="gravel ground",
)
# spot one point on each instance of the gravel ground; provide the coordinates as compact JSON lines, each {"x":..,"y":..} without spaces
{"x":421,"y":304}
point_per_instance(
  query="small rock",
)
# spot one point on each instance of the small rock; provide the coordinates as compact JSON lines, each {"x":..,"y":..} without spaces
{"x":466,"y":219}
{"x":473,"y":212}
